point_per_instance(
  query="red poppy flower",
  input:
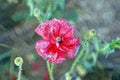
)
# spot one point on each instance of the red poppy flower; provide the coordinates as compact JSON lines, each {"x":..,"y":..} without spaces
{"x":58,"y":40}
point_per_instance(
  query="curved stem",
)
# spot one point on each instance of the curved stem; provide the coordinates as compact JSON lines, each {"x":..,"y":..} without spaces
{"x":52,"y":67}
{"x":79,"y":56}
{"x":39,"y":19}
{"x":20,"y":71}
{"x":50,"y":70}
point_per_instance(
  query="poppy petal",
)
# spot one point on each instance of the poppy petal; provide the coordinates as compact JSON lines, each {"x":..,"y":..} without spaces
{"x":58,"y":57}
{"x":42,"y":46}
{"x":58,"y":41}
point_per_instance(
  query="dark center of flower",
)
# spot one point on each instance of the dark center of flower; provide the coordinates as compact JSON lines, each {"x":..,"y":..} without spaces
{"x":58,"y":39}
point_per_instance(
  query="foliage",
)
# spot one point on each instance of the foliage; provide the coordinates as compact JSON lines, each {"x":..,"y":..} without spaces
{"x":95,"y":48}
{"x":48,"y":9}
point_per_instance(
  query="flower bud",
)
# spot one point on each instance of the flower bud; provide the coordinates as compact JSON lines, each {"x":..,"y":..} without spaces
{"x":36,"y":12}
{"x":81,"y":70}
{"x":67,"y":76}
{"x":92,"y":33}
{"x":18,"y":61}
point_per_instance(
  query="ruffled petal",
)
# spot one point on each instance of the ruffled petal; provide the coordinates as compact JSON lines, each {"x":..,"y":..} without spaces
{"x":50,"y":29}
{"x":69,"y":32}
{"x":60,"y":26}
{"x":71,"y":53}
{"x":52,"y":50}
{"x":49,"y":52}
{"x":70,"y":42}
{"x":63,"y":22}
{"x":56,"y":26}
{"x":55,"y":55}
{"x":70,"y":46}
{"x":42,"y":47}
{"x":58,"y":57}
{"x":44,"y":30}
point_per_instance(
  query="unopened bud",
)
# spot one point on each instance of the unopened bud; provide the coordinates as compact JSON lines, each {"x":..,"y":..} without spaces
{"x":36,"y":12}
{"x":92,"y":33}
{"x":18,"y":61}
{"x":67,"y":76}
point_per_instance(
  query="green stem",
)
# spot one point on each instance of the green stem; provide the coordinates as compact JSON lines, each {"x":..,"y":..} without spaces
{"x":39,"y":19}
{"x":79,"y":56}
{"x":52,"y":67}
{"x":19,"y":73}
{"x":67,"y":76}
{"x":50,"y":70}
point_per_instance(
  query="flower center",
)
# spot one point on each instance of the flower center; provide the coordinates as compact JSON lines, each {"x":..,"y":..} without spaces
{"x":58,"y":39}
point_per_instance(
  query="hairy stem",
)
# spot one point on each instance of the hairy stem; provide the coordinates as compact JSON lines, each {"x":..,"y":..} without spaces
{"x":20,"y":72}
{"x":50,"y":70}
{"x":79,"y":56}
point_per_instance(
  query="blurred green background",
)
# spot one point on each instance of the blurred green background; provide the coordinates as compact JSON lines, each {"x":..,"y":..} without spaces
{"x":17,"y":37}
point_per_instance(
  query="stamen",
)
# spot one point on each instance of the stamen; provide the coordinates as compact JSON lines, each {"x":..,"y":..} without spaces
{"x":58,"y":39}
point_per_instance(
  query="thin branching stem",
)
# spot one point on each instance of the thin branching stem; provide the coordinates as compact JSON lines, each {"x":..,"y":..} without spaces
{"x":20,"y":72}
{"x":79,"y":56}
{"x":50,"y":70}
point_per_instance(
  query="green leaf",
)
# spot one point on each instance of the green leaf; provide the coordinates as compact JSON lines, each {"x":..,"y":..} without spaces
{"x":48,"y":13}
{"x":57,"y":14}
{"x":71,"y":15}
{"x":90,"y":60}
{"x":96,"y":43}
{"x":5,"y":55}
{"x":106,"y":50}
{"x":78,"y":78}
{"x":110,"y":47}
{"x":30,"y":5}
{"x":19,"y":15}
{"x":115,"y":43}
{"x":59,"y":3}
